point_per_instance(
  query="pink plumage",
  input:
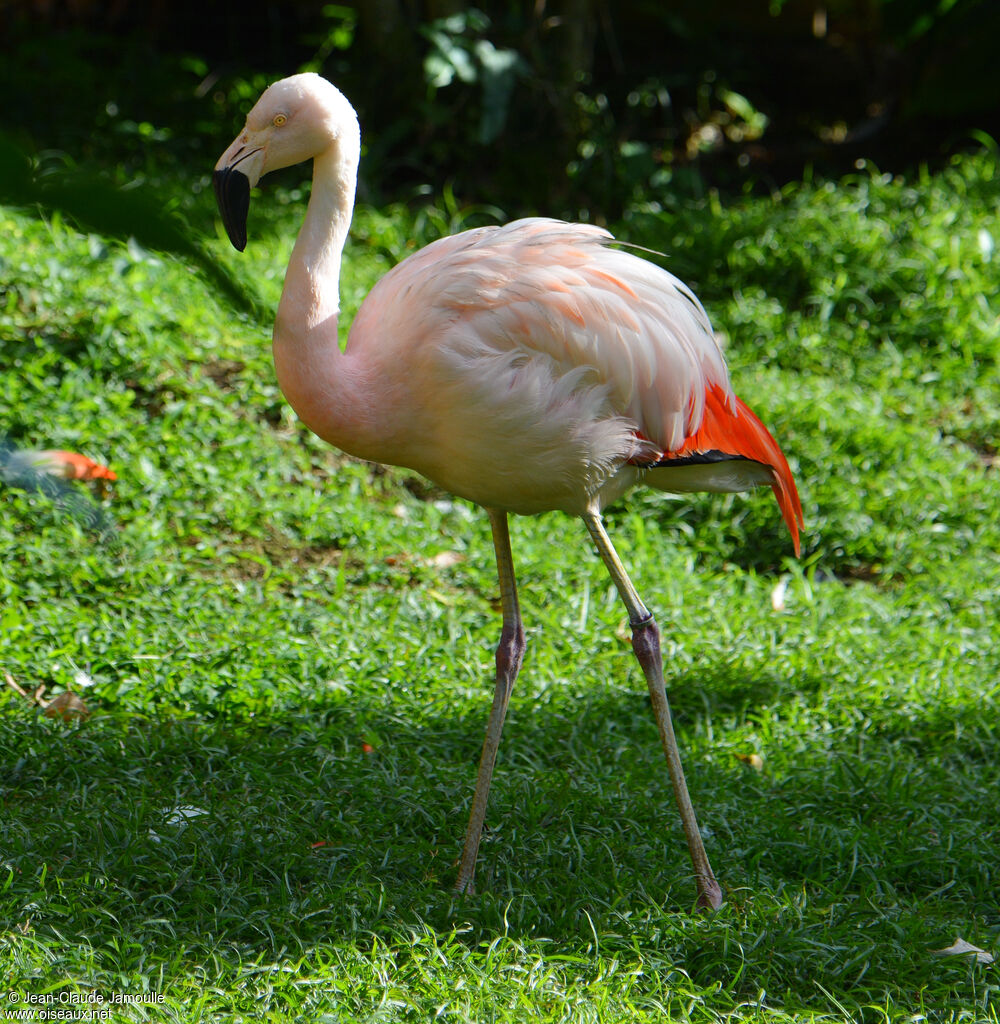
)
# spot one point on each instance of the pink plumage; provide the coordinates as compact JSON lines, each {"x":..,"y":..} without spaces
{"x":531,"y":367}
{"x":562,"y":371}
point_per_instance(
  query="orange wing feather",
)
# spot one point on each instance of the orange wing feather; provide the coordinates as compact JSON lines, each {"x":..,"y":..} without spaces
{"x":731,"y":427}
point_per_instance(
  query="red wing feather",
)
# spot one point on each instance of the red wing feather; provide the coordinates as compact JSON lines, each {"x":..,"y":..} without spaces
{"x":735,"y":430}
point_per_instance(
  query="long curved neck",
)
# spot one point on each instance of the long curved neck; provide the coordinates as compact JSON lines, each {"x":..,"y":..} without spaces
{"x":314,"y":375}
{"x":310,"y":299}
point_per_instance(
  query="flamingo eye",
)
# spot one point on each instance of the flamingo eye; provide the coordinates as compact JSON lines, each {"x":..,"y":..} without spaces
{"x":279,"y":120}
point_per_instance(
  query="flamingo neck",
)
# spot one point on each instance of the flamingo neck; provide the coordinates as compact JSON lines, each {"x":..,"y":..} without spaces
{"x":310,"y":300}
{"x":319,"y":381}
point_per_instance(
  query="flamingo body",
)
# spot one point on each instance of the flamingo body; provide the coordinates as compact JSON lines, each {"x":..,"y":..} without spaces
{"x":531,"y":367}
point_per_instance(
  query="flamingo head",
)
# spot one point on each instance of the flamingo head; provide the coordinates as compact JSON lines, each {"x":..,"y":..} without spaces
{"x":295,"y":119}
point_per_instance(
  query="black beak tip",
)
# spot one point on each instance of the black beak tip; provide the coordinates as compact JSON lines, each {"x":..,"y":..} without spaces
{"x":232,"y":193}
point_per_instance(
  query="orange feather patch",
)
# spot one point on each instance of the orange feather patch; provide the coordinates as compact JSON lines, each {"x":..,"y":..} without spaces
{"x":74,"y":466}
{"x":732,"y":428}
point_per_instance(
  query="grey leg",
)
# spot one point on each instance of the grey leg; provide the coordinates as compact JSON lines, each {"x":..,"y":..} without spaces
{"x":510,"y":651}
{"x":646,"y":644}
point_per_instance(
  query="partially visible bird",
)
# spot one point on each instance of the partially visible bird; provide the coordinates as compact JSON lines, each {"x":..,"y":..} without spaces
{"x":48,"y":472}
{"x":531,"y":367}
{"x":21,"y":466}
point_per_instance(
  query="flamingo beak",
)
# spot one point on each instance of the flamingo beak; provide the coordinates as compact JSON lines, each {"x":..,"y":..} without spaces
{"x":232,"y":193}
{"x":237,"y":171}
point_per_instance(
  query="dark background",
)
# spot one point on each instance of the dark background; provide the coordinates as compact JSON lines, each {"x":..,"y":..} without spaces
{"x":575,"y":108}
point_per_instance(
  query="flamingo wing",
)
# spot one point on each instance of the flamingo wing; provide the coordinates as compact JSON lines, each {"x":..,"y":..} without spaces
{"x":539,"y":288}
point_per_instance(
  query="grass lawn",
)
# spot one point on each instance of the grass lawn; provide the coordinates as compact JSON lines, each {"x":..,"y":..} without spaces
{"x":287,"y":655}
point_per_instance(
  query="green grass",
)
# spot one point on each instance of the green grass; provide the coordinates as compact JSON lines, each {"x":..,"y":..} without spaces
{"x":265,"y":610}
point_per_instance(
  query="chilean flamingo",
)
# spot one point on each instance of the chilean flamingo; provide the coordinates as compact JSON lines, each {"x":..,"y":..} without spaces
{"x":527,"y":368}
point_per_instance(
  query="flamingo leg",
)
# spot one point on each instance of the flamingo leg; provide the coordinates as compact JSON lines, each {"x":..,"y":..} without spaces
{"x":646,"y":645}
{"x":510,"y":651}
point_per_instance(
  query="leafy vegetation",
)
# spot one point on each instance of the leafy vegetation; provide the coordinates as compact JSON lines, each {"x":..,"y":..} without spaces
{"x":287,"y":653}
{"x":566,"y":107}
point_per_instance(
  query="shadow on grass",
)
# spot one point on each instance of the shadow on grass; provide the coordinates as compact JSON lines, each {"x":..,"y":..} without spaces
{"x":287,"y":830}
